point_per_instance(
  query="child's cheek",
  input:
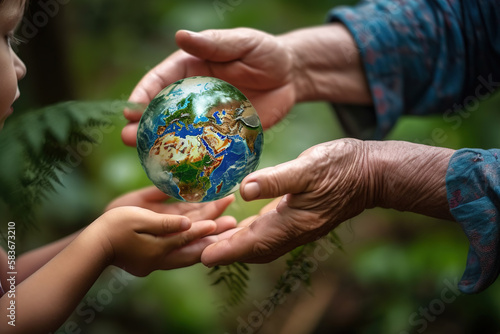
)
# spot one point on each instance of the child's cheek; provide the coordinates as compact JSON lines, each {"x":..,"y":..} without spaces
{"x":8,"y":91}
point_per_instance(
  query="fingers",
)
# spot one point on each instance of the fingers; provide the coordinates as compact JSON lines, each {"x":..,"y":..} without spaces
{"x":230,"y":250}
{"x":151,"y":194}
{"x":243,"y":57}
{"x":151,"y":198}
{"x":170,"y":70}
{"x":213,"y":45}
{"x":158,"y":78}
{"x":153,"y":223}
{"x":129,"y":134}
{"x":150,"y":85}
{"x":258,"y":242}
{"x":209,"y":210}
{"x":141,"y":197}
{"x":225,"y":223}
{"x":191,"y":253}
{"x":186,"y":256}
{"x":197,"y":231}
{"x":238,"y":244}
{"x":238,"y":247}
{"x":194,"y":211}
{"x":175,"y":67}
{"x":185,"y":249}
{"x":219,"y":45}
{"x":287,"y":178}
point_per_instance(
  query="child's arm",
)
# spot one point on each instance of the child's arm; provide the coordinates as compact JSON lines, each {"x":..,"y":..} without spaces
{"x":149,"y":198}
{"x":33,"y":260}
{"x":132,"y":238}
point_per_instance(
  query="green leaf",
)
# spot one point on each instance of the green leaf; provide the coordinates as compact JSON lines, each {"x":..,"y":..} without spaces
{"x":33,"y":147}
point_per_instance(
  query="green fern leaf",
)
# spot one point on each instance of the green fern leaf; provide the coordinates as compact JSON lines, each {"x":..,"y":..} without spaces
{"x":33,"y":150}
{"x":235,"y":277}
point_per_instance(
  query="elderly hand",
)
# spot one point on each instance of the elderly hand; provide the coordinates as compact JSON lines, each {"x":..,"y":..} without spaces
{"x":255,"y":62}
{"x":328,"y":184}
{"x":274,"y":72}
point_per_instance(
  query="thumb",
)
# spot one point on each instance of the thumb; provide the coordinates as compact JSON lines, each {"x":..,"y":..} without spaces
{"x":288,"y":178}
{"x":219,"y":45}
{"x":129,"y":134}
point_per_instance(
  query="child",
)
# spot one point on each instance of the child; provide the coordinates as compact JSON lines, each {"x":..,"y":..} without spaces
{"x":135,"y":233}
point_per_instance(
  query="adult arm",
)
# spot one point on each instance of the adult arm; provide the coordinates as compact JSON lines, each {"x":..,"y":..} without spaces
{"x":333,"y":182}
{"x":329,"y":184}
{"x":274,"y":72}
{"x":473,"y":186}
{"x":423,"y":57}
{"x":420,"y":57}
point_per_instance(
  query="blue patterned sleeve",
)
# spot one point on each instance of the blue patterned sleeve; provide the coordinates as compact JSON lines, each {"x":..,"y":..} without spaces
{"x":435,"y":56}
{"x":420,"y":57}
{"x":473,"y":188}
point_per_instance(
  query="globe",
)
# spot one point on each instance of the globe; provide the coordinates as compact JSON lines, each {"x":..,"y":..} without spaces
{"x":198,"y":138}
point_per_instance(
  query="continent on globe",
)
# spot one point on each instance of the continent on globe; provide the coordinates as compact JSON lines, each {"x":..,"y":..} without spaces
{"x":198,"y":138}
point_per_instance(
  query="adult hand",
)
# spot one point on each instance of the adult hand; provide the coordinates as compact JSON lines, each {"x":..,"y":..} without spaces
{"x":274,"y":72}
{"x":256,"y":62}
{"x":328,"y":184}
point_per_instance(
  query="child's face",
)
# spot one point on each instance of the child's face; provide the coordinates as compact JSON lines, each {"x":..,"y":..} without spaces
{"x":12,"y":68}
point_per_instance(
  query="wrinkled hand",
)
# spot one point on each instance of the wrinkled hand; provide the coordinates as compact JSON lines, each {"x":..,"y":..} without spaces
{"x":256,"y":62}
{"x":326,"y":185}
{"x":178,"y":245}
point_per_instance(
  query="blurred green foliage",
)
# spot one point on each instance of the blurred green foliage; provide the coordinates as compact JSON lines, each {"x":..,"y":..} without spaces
{"x":395,"y":265}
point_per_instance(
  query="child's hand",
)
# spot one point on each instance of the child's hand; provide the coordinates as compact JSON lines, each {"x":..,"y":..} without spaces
{"x":153,"y":199}
{"x":140,"y":241}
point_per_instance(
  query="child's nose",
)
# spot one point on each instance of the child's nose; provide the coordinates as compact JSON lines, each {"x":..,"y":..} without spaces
{"x":19,"y":66}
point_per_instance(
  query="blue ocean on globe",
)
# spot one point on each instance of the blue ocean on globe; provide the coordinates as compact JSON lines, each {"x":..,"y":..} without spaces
{"x":198,"y":138}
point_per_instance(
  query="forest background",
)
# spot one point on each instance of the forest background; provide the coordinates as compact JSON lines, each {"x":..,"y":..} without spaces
{"x":398,"y":271}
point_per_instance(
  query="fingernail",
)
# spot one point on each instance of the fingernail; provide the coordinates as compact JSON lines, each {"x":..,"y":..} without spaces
{"x":251,"y":190}
{"x":192,"y":33}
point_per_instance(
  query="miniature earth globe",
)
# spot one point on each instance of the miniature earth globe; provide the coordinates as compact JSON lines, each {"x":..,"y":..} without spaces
{"x":198,"y":138}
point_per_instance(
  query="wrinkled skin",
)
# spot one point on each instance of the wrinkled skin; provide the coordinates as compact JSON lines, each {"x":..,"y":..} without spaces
{"x":324,"y":186}
{"x":327,"y":185}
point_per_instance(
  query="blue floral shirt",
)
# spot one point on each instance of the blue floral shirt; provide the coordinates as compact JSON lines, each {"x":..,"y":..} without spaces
{"x":435,"y":56}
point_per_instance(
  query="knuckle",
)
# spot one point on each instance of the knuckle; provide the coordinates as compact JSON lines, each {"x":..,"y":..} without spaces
{"x":273,"y":183}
